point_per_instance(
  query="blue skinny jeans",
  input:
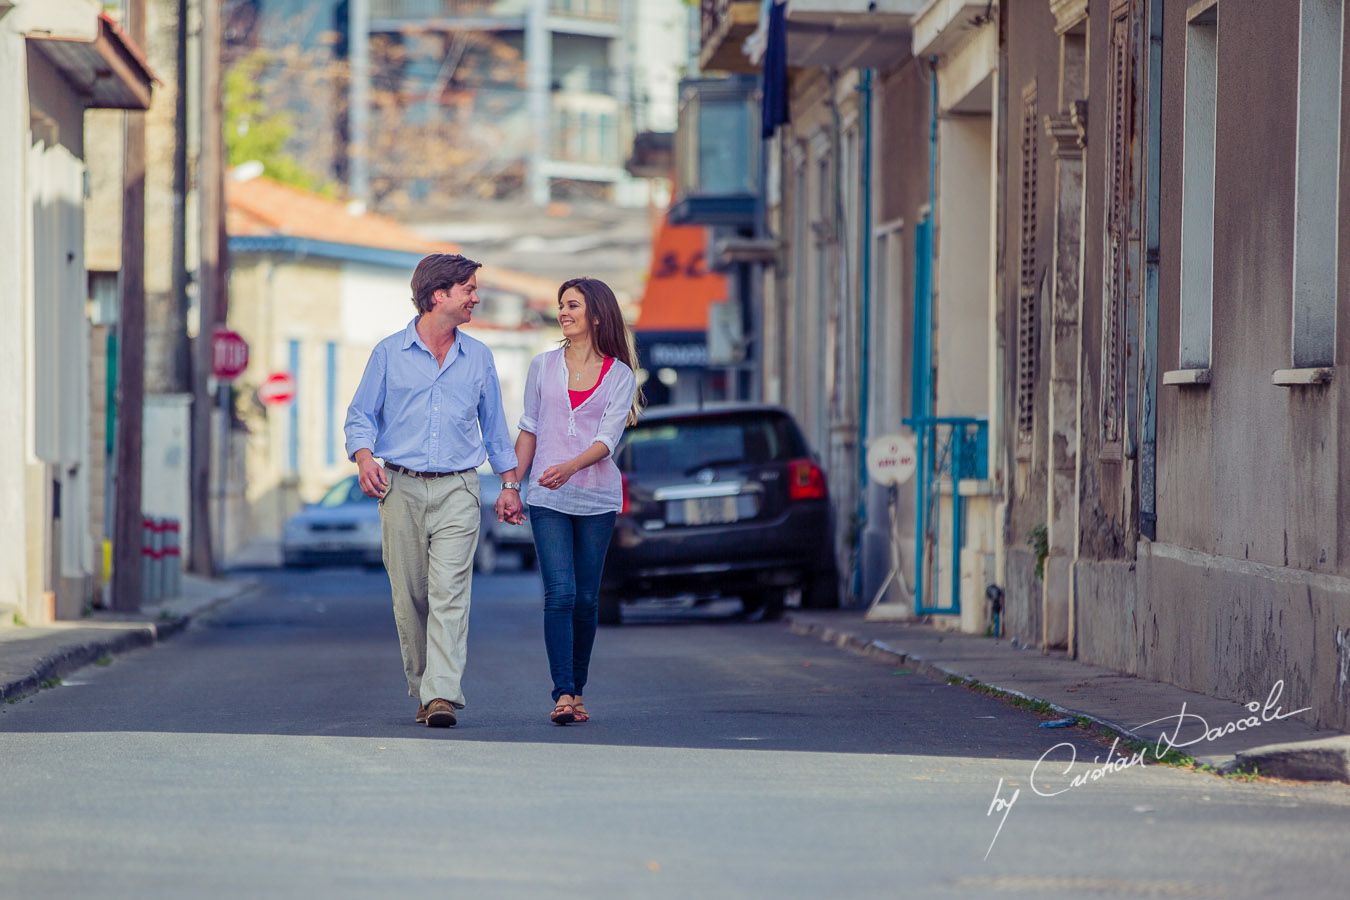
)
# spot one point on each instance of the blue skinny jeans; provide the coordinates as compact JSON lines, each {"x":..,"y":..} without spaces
{"x":571,"y":553}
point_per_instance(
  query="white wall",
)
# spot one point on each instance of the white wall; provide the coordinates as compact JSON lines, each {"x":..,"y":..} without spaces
{"x":962,"y":288}
{"x":14,"y":309}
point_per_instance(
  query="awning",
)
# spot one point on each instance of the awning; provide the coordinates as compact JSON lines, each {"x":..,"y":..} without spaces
{"x":102,"y":64}
{"x":679,"y":286}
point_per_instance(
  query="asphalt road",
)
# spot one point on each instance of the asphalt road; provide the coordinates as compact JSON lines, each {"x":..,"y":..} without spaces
{"x":270,"y":751}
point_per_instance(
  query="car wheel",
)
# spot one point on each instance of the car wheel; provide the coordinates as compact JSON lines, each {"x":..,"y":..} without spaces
{"x":821,"y":592}
{"x":528,"y":560}
{"x":485,"y":557}
{"x":766,"y":605}
{"x":290,"y":561}
{"x":611,"y":612}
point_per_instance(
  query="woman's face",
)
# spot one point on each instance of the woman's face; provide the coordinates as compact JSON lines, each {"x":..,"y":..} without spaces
{"x":572,"y":315}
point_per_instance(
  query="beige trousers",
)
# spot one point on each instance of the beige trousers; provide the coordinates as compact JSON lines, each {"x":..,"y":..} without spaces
{"x":430,"y":533}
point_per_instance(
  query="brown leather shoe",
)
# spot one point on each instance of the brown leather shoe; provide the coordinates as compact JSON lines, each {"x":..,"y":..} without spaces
{"x":421,"y":717}
{"x":440,"y":713}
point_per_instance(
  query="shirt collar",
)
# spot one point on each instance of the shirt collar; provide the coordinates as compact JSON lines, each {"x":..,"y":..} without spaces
{"x":412,"y":339}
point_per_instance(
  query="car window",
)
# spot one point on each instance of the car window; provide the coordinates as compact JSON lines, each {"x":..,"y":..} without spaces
{"x":683,"y":446}
{"x":348,"y":490}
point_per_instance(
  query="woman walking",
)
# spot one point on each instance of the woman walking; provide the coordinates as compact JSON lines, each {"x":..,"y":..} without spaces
{"x":578,"y":400}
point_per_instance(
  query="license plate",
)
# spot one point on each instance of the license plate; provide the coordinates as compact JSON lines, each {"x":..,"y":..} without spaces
{"x":709,"y":510}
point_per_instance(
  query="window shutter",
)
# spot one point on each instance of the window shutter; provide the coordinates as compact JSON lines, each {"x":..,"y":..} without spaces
{"x":1028,"y":331}
{"x":1119,"y":199}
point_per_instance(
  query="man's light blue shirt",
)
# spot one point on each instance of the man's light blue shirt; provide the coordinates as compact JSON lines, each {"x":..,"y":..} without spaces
{"x":427,"y":417}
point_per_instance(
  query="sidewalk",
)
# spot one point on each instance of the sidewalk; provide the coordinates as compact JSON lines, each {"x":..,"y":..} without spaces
{"x":1285,"y":748}
{"x":31,"y":656}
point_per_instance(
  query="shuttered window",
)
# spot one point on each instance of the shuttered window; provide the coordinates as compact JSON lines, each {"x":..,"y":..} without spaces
{"x":1028,"y":325}
{"x":1317,"y":192}
{"x":1121,"y":147}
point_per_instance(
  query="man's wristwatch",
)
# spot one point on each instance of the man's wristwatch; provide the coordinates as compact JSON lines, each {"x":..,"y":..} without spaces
{"x":511,"y":486}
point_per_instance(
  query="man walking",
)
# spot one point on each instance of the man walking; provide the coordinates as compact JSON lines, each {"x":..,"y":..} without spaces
{"x":430,"y":406}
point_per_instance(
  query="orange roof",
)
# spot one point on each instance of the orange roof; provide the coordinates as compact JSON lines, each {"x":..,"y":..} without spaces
{"x":679,"y":286}
{"x":261,"y":206}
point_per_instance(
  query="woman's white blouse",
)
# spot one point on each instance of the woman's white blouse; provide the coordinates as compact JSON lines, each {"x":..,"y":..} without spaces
{"x":562,"y":433}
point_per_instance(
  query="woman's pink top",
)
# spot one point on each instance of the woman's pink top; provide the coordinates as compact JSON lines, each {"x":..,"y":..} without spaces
{"x":563,"y":432}
{"x":579,"y":397}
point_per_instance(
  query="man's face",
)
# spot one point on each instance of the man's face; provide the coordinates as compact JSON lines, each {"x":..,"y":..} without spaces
{"x":457,"y":303}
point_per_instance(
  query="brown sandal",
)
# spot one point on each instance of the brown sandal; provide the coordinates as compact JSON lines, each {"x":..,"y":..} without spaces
{"x":581,"y":714}
{"x":563,"y":714}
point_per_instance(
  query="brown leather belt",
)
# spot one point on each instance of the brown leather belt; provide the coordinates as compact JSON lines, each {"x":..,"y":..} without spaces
{"x":402,"y":471}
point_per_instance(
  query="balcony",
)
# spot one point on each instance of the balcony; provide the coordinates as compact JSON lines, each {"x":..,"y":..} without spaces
{"x":945,"y":24}
{"x":448,"y":15}
{"x":596,"y":10}
{"x":724,"y":26}
{"x":846,"y":34}
{"x":717,"y":150}
{"x":585,"y":131}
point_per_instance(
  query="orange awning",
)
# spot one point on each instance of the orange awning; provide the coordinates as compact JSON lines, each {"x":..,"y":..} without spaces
{"x":679,"y":286}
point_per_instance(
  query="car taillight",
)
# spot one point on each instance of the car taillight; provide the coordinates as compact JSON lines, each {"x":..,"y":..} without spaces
{"x":623,"y":481}
{"x":805,"y":480}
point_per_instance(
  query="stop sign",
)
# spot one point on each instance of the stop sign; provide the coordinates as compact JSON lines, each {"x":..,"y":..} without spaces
{"x":278,"y":389}
{"x":229,"y":354}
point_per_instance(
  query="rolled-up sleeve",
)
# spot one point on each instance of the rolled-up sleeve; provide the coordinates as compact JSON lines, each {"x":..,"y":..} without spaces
{"x":529,"y":418}
{"x":617,"y":405}
{"x":492,"y":420}
{"x":363,"y":415}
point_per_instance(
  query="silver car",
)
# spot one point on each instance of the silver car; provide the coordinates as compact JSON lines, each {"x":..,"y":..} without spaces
{"x":343,"y":528}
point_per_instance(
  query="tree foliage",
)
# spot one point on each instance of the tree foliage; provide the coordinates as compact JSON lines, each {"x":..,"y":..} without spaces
{"x":447,"y":113}
{"x":256,"y":133}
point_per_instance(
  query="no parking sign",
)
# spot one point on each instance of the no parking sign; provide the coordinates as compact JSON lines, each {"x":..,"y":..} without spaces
{"x":891,"y":459}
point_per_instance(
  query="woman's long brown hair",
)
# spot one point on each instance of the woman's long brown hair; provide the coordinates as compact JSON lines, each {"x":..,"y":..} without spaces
{"x":609,"y":332}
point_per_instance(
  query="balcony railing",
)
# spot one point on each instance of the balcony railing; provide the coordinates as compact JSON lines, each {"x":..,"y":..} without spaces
{"x":597,"y":10}
{"x":413,"y":10}
{"x":717,"y":152}
{"x":585,"y":134}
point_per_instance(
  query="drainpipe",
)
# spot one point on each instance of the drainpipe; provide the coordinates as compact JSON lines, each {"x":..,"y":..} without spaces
{"x":921,"y":374}
{"x":1148,"y":457}
{"x":358,"y":101}
{"x":865,"y":291}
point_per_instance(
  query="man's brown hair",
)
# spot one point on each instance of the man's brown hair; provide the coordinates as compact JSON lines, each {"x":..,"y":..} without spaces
{"x":437,"y":271}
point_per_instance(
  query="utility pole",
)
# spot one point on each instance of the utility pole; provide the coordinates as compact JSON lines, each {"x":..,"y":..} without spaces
{"x":358,"y":101}
{"x":538,"y":79}
{"x":210,"y":285}
{"x":127,"y":533}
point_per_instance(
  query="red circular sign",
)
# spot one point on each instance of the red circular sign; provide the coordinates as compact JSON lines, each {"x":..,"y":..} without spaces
{"x":278,"y":389}
{"x":229,"y":354}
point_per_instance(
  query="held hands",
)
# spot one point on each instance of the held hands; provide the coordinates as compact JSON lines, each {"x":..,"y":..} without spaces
{"x":555,"y":477}
{"x":374,"y":482}
{"x":509,"y":508}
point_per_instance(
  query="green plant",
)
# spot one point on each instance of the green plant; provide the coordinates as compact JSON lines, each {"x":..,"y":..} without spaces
{"x":256,"y":132}
{"x":50,"y":683}
{"x":1040,"y":542}
{"x":20,"y":621}
{"x":104,"y":660}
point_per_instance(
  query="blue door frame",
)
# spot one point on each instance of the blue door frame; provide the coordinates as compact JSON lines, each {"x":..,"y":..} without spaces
{"x":952,"y":447}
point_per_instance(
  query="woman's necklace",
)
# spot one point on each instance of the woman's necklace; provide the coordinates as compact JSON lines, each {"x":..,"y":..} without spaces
{"x":581,"y":369}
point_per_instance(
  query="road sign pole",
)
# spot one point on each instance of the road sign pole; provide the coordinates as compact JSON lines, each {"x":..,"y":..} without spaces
{"x":223,"y":388}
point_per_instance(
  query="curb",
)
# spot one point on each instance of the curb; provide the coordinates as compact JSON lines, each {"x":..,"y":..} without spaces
{"x":881,"y":650}
{"x":63,"y":661}
{"x":1324,"y":760}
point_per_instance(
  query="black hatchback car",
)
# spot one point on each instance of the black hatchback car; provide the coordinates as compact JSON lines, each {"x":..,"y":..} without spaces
{"x":723,"y":500}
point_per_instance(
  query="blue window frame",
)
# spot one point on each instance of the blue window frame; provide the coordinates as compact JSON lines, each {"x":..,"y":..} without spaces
{"x":330,"y":406}
{"x":293,"y":436}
